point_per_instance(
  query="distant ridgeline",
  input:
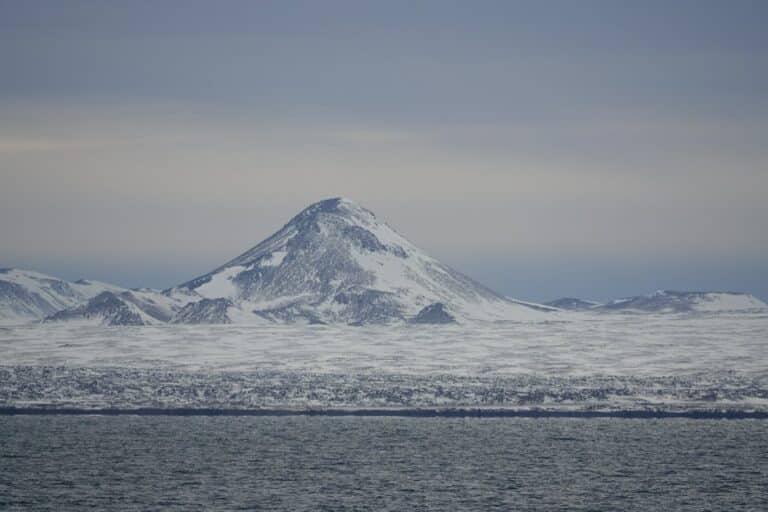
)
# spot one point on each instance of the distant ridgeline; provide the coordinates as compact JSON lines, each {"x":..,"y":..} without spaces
{"x":333,"y":263}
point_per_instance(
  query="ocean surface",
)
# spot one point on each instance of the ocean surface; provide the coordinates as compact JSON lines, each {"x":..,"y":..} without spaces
{"x":381,"y":463}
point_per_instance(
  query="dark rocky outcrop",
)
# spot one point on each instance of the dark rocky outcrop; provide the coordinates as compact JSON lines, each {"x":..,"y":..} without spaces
{"x":434,"y":314}
{"x":109,"y":308}
{"x":205,"y":311}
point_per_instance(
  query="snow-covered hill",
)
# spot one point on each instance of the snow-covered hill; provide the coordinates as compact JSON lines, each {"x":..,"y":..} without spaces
{"x":335,"y":262}
{"x":28,"y":296}
{"x":666,"y":301}
{"x":127,"y":307}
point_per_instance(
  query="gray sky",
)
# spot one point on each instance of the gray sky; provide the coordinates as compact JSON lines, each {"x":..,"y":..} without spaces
{"x":594,"y":149}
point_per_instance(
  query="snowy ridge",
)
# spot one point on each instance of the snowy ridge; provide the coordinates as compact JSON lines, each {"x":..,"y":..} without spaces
{"x":28,"y":296}
{"x":335,"y":262}
{"x":667,"y":301}
{"x":573,"y":304}
{"x":107,"y":309}
{"x":127,"y":307}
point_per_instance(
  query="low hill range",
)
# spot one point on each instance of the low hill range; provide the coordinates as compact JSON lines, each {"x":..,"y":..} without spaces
{"x":669,"y":301}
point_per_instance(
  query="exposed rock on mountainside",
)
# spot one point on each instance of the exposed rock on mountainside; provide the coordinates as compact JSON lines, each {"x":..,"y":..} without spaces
{"x":205,"y":311}
{"x":106,"y":309}
{"x":434,"y":314}
{"x":123,"y":308}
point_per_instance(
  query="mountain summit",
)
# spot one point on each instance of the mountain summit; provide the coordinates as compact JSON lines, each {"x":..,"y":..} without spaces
{"x":336,"y":262}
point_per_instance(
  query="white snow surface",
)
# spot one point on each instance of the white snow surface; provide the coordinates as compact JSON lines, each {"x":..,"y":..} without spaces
{"x":581,"y":361}
{"x":274,"y":260}
{"x":221,"y":284}
{"x":576,"y":344}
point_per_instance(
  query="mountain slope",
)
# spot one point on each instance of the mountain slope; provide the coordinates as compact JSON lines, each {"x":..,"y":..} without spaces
{"x":667,"y":301}
{"x":572,"y":304}
{"x":335,"y":262}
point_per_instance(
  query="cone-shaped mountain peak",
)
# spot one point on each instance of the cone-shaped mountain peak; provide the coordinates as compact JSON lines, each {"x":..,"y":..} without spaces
{"x":336,"y":262}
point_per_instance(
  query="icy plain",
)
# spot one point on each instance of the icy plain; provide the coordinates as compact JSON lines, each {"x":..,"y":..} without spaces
{"x":580,"y":361}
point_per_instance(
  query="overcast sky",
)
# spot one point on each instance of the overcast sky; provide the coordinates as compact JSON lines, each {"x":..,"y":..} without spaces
{"x":593,"y":149}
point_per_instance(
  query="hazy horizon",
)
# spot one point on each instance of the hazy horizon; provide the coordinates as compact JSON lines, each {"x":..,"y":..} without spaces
{"x":546,"y":149}
{"x":485,"y":276}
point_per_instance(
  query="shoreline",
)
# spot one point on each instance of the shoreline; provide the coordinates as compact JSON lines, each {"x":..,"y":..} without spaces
{"x":402,"y":413}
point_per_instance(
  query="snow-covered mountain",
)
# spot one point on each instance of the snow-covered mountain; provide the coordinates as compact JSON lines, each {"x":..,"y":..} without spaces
{"x":126,"y":307}
{"x":572,"y":304}
{"x":335,"y":262}
{"x":666,"y":301}
{"x":28,"y":296}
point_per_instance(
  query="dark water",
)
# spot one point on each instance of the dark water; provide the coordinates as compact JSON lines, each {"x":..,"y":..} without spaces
{"x":321,"y":463}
